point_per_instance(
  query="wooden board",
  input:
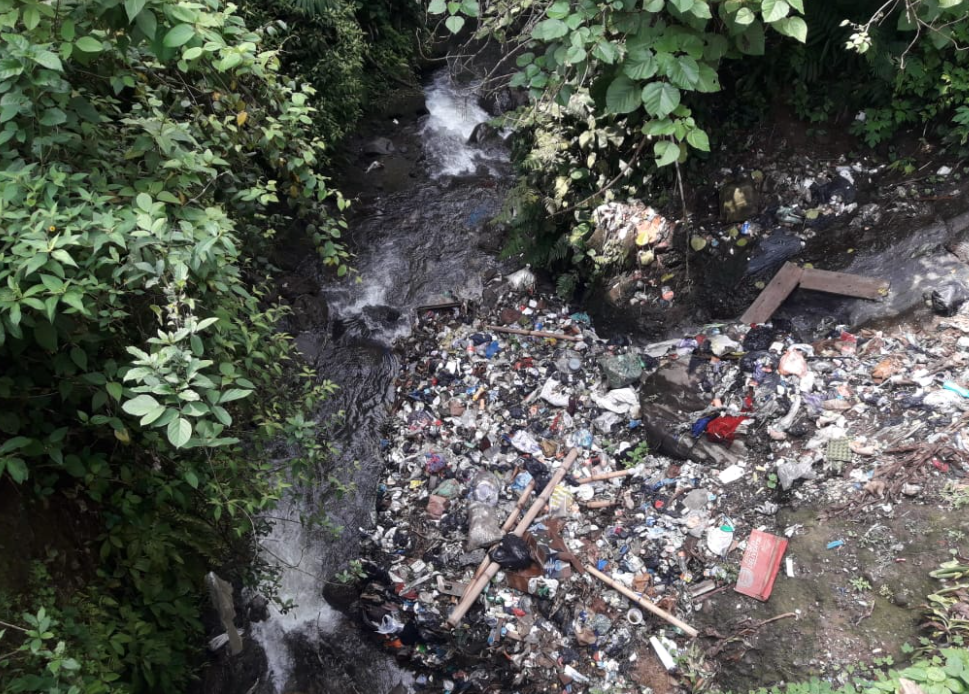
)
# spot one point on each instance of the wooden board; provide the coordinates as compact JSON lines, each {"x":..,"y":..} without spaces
{"x":773,"y":296}
{"x":841,"y":283}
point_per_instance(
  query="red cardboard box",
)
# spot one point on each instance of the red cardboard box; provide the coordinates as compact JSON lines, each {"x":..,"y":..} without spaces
{"x":761,"y":562}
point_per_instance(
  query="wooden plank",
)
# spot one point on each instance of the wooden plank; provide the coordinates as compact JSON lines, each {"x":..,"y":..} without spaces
{"x":773,"y":295}
{"x":842,"y":283}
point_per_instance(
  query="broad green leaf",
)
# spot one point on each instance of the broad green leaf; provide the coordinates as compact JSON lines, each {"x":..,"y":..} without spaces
{"x":663,"y":126}
{"x":797,"y":5}
{"x":666,"y":152}
{"x":744,"y":16}
{"x":49,"y":60}
{"x":140,"y":406}
{"x":233,"y":394}
{"x":549,"y":30}
{"x":31,"y":17}
{"x":751,"y":41}
{"x":606,"y":51}
{"x":795,"y":27}
{"x":179,"y":432}
{"x":772,"y":10}
{"x":470,"y":8}
{"x":708,"y":80}
{"x":684,"y":72}
{"x":115,"y":390}
{"x":622,"y":96}
{"x":143,"y":201}
{"x":716,"y":47}
{"x":222,"y":415}
{"x":660,"y":98}
{"x":147,"y":23}
{"x":14,"y":444}
{"x":154,"y":416}
{"x":133,"y":7}
{"x":178,"y":35}
{"x":88,"y":44}
{"x":192,"y":479}
{"x":63,"y":256}
{"x":17,"y":469}
{"x":640,"y":64}
{"x":52,"y":117}
{"x":454,"y":23}
{"x":574,"y":54}
{"x":701,"y":10}
{"x":437,"y":7}
{"x":558,"y":10}
{"x":683,"y":5}
{"x":192,"y":53}
{"x":68,"y":30}
{"x":698,"y":140}
{"x":79,"y":357}
{"x":653,"y":5}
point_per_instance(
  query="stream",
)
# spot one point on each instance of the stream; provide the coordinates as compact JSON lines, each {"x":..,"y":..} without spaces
{"x":415,"y":246}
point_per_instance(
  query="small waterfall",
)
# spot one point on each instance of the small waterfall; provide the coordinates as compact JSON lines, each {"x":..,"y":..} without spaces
{"x":454,"y":113}
{"x":420,"y":245}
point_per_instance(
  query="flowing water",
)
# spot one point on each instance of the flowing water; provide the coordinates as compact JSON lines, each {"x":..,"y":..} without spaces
{"x":413,"y":247}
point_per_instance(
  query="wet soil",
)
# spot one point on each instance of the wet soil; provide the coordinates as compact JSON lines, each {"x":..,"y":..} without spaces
{"x":853,"y":604}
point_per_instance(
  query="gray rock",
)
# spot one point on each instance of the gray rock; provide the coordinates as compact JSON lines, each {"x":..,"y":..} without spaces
{"x":379,"y":146}
{"x":621,"y":370}
{"x":311,"y":311}
{"x":739,"y":201}
{"x":484,"y":134}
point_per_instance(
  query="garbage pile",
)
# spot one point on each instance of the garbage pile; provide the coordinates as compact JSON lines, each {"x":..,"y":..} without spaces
{"x":609,"y":488}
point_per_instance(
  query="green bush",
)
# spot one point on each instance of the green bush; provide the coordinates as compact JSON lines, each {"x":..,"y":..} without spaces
{"x":149,"y":152}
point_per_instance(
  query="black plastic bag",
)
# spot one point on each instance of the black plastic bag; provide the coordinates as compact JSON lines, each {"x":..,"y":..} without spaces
{"x":947,"y":299}
{"x":512,"y":553}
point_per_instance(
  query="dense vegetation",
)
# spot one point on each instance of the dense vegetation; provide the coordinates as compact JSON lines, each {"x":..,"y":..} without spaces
{"x":151,"y":151}
{"x":621,"y":92}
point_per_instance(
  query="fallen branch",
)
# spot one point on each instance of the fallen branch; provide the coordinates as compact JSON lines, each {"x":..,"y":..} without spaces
{"x":478,"y":585}
{"x":605,"y":476}
{"x":534,"y":333}
{"x":642,"y":602}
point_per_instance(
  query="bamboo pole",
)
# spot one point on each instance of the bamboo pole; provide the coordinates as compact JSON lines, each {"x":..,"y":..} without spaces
{"x":506,"y":526}
{"x":534,"y":333}
{"x":478,"y":585}
{"x":603,"y":503}
{"x":606,"y":476}
{"x":645,"y":604}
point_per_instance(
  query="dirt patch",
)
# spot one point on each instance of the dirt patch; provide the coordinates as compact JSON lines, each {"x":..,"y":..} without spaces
{"x":854,"y":603}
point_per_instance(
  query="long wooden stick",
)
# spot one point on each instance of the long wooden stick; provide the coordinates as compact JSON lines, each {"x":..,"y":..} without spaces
{"x":606,"y":476}
{"x":534,"y":333}
{"x":506,"y":526}
{"x":474,"y":590}
{"x":645,"y":604}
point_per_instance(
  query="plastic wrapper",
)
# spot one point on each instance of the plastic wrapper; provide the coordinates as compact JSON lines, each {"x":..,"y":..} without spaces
{"x":484,"y":528}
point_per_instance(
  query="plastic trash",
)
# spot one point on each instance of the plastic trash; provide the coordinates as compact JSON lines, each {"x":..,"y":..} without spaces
{"x":526,"y":443}
{"x":484,"y":488}
{"x":512,"y":553}
{"x":621,"y":370}
{"x":484,"y":527}
{"x":948,"y":299}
